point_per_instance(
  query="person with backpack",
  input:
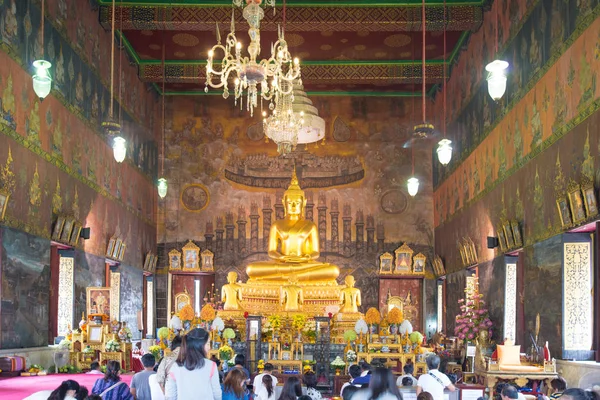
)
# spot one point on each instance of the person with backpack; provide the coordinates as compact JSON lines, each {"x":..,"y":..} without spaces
{"x":111,"y":387}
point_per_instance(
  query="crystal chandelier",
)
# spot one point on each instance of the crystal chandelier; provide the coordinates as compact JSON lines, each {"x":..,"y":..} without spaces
{"x":313,"y":128}
{"x":284,"y":125}
{"x":248,"y":74}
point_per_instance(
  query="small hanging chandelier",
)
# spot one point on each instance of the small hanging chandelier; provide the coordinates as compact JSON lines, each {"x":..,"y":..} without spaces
{"x":283,"y":125}
{"x":42,"y":80}
{"x":496,"y":72}
{"x":444,"y":150}
{"x":413,"y":186}
{"x":248,"y":74}
{"x":162,"y":188}
{"x":119,"y":148}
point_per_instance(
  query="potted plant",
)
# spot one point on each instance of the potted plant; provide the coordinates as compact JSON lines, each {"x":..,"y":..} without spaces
{"x":338,"y":364}
{"x":373,"y":317}
{"x":394,"y":318}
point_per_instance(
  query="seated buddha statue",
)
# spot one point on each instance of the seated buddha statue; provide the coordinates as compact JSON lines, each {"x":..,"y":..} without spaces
{"x":293,"y":247}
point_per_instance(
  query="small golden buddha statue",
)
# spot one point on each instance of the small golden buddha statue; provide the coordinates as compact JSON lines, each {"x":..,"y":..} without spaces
{"x":291,"y":295}
{"x":231,"y":294}
{"x":293,"y":247}
{"x":350,"y":297}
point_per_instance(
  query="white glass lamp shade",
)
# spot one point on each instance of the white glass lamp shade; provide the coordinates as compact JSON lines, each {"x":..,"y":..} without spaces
{"x":444,"y":151}
{"x":119,"y":149}
{"x":413,"y":186}
{"x":496,"y":78}
{"x":42,"y":81}
{"x":162,"y":187}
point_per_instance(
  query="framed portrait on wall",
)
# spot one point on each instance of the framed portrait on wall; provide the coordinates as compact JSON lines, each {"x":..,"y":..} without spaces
{"x":576,"y":203}
{"x":589,"y":199}
{"x":501,"y":238}
{"x":563,"y":211}
{"x":121,"y":252}
{"x":516,"y":231}
{"x":111,"y":246}
{"x":4,"y":196}
{"x":191,"y":256}
{"x":148,"y":262}
{"x":419,"y":263}
{"x":174,"y":259}
{"x":207,"y":260}
{"x":385,"y":263}
{"x":98,"y":300}
{"x":403,"y":259}
{"x":463,"y":253}
{"x":65,"y":236}
{"x":117,"y":249}
{"x":75,"y":234}
{"x":154,"y":262}
{"x":58,"y":227}
{"x":510,"y":242}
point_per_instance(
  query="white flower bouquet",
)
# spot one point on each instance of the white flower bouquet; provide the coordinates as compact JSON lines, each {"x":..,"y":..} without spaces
{"x":113,"y":346}
{"x":338,"y":363}
{"x":351,"y":355}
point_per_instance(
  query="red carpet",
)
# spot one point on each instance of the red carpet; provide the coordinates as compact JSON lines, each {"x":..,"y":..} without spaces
{"x":22,"y":386}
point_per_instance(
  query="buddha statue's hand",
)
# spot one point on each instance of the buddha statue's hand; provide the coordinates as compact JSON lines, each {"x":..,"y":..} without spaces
{"x":295,"y":259}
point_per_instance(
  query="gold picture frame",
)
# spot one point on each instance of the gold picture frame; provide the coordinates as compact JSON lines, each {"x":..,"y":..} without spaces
{"x":473,"y":252}
{"x":111,"y":246}
{"x":510,"y":241}
{"x":4,"y":196}
{"x":438,"y":266}
{"x":562,"y":204}
{"x":385,"y":263}
{"x":75,"y":234}
{"x":122,"y":252}
{"x":463,"y":253}
{"x":98,"y":301}
{"x":191,"y":257}
{"x":65,"y":235}
{"x":404,"y":255}
{"x":154,"y":262}
{"x":147,"y":261}
{"x":576,"y":203}
{"x":207,"y":260}
{"x":589,"y":198}
{"x":418,"y":263}
{"x":58,"y":227}
{"x":516,"y":231}
{"x":117,"y":249}
{"x":174,"y":259}
{"x":95,"y":333}
{"x":501,"y":238}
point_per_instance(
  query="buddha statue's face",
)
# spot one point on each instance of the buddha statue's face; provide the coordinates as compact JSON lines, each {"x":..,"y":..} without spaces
{"x":293,"y":203}
{"x":231,"y":277}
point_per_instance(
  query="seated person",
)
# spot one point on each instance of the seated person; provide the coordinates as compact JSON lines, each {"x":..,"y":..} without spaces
{"x":406,"y":382}
{"x":409,"y":368}
{"x":557,"y":387}
{"x":310,"y":380}
{"x":365,"y":374}
{"x":509,"y":392}
{"x":349,"y":391}
{"x":95,"y":369}
{"x":354,"y":371}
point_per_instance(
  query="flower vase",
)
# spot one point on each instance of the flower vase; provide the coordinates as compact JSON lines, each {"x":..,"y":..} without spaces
{"x":372,"y":329}
{"x":393,"y":329}
{"x":360,"y":347}
{"x":338,"y":372}
{"x":186,"y":325}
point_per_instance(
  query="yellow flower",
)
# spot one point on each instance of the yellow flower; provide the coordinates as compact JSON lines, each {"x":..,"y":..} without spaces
{"x":395,"y":316}
{"x":299,"y":321}
{"x":208,"y":313}
{"x":372,"y":316}
{"x":186,"y":313}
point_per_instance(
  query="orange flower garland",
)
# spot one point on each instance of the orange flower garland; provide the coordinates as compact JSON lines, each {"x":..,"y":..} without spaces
{"x":372,"y":316}
{"x":186,"y":313}
{"x":395,"y":316}
{"x":208,"y":313}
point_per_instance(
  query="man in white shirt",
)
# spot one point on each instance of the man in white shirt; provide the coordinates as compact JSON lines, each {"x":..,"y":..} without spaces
{"x":257,"y":383}
{"x":434,"y":381}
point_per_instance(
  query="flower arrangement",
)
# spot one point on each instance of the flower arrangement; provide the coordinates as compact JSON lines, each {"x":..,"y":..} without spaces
{"x":261,"y":365}
{"x":274,"y":321}
{"x":416,"y":337}
{"x":298,"y":321}
{"x":361,"y":326}
{"x":207,"y":313}
{"x":218,"y":324}
{"x":186,"y":313}
{"x":350,"y":335}
{"x":112,"y":346}
{"x":286,"y":346}
{"x":155,"y":350}
{"x":338,"y":363}
{"x":64,"y":344}
{"x":351,"y":355}
{"x":225,"y":352}
{"x":88,"y":350}
{"x":163,"y":333}
{"x":395,"y":316}
{"x":228,"y":333}
{"x":473,"y":318}
{"x":373,"y":316}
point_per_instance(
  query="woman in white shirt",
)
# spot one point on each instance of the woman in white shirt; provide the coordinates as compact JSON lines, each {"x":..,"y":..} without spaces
{"x":193,"y":376}
{"x":266,"y":391}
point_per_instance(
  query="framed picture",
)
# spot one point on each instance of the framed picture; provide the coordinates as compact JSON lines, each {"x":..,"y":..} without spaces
{"x":516,"y":231}
{"x":563,"y":211}
{"x":111,"y":246}
{"x":147,"y":261}
{"x":463,"y":255}
{"x":419,"y":263}
{"x":207,"y":260}
{"x":191,"y":256}
{"x":117,"y":249}
{"x":403,"y":259}
{"x":576,"y":203}
{"x":472,"y":252}
{"x":75,"y":234}
{"x":94,"y":333}
{"x":589,"y":199}
{"x":58,"y":227}
{"x":4,"y":196}
{"x":121,"y":252}
{"x":385,"y":263}
{"x":174,"y":259}
{"x":154,"y":261}
{"x":438,"y":266}
{"x":501,"y":238}
{"x":98,"y":301}
{"x":65,"y":236}
{"x":510,"y":242}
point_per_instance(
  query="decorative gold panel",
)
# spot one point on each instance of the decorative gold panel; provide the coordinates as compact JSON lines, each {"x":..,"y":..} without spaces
{"x":577,"y":295}
{"x":65,"y":294}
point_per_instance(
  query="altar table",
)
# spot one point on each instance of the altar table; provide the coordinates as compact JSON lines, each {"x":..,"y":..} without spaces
{"x":521,"y":378}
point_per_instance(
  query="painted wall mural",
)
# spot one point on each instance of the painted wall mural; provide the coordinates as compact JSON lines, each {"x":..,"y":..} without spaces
{"x":25,"y":276}
{"x":218,"y":162}
{"x":132,"y":281}
{"x":89,"y":271}
{"x":492,"y":285}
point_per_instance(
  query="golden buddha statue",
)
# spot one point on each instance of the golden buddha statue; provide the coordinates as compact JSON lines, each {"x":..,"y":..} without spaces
{"x":293,"y":247}
{"x":350,"y":297}
{"x":231,"y":294}
{"x":291,"y":295}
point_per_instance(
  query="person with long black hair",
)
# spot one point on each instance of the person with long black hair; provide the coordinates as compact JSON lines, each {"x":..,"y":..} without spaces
{"x":193,"y":376}
{"x":111,"y":387}
{"x":292,"y":389}
{"x":266,"y":391}
{"x":66,"y":391}
{"x":234,"y":386}
{"x":381,"y":387}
